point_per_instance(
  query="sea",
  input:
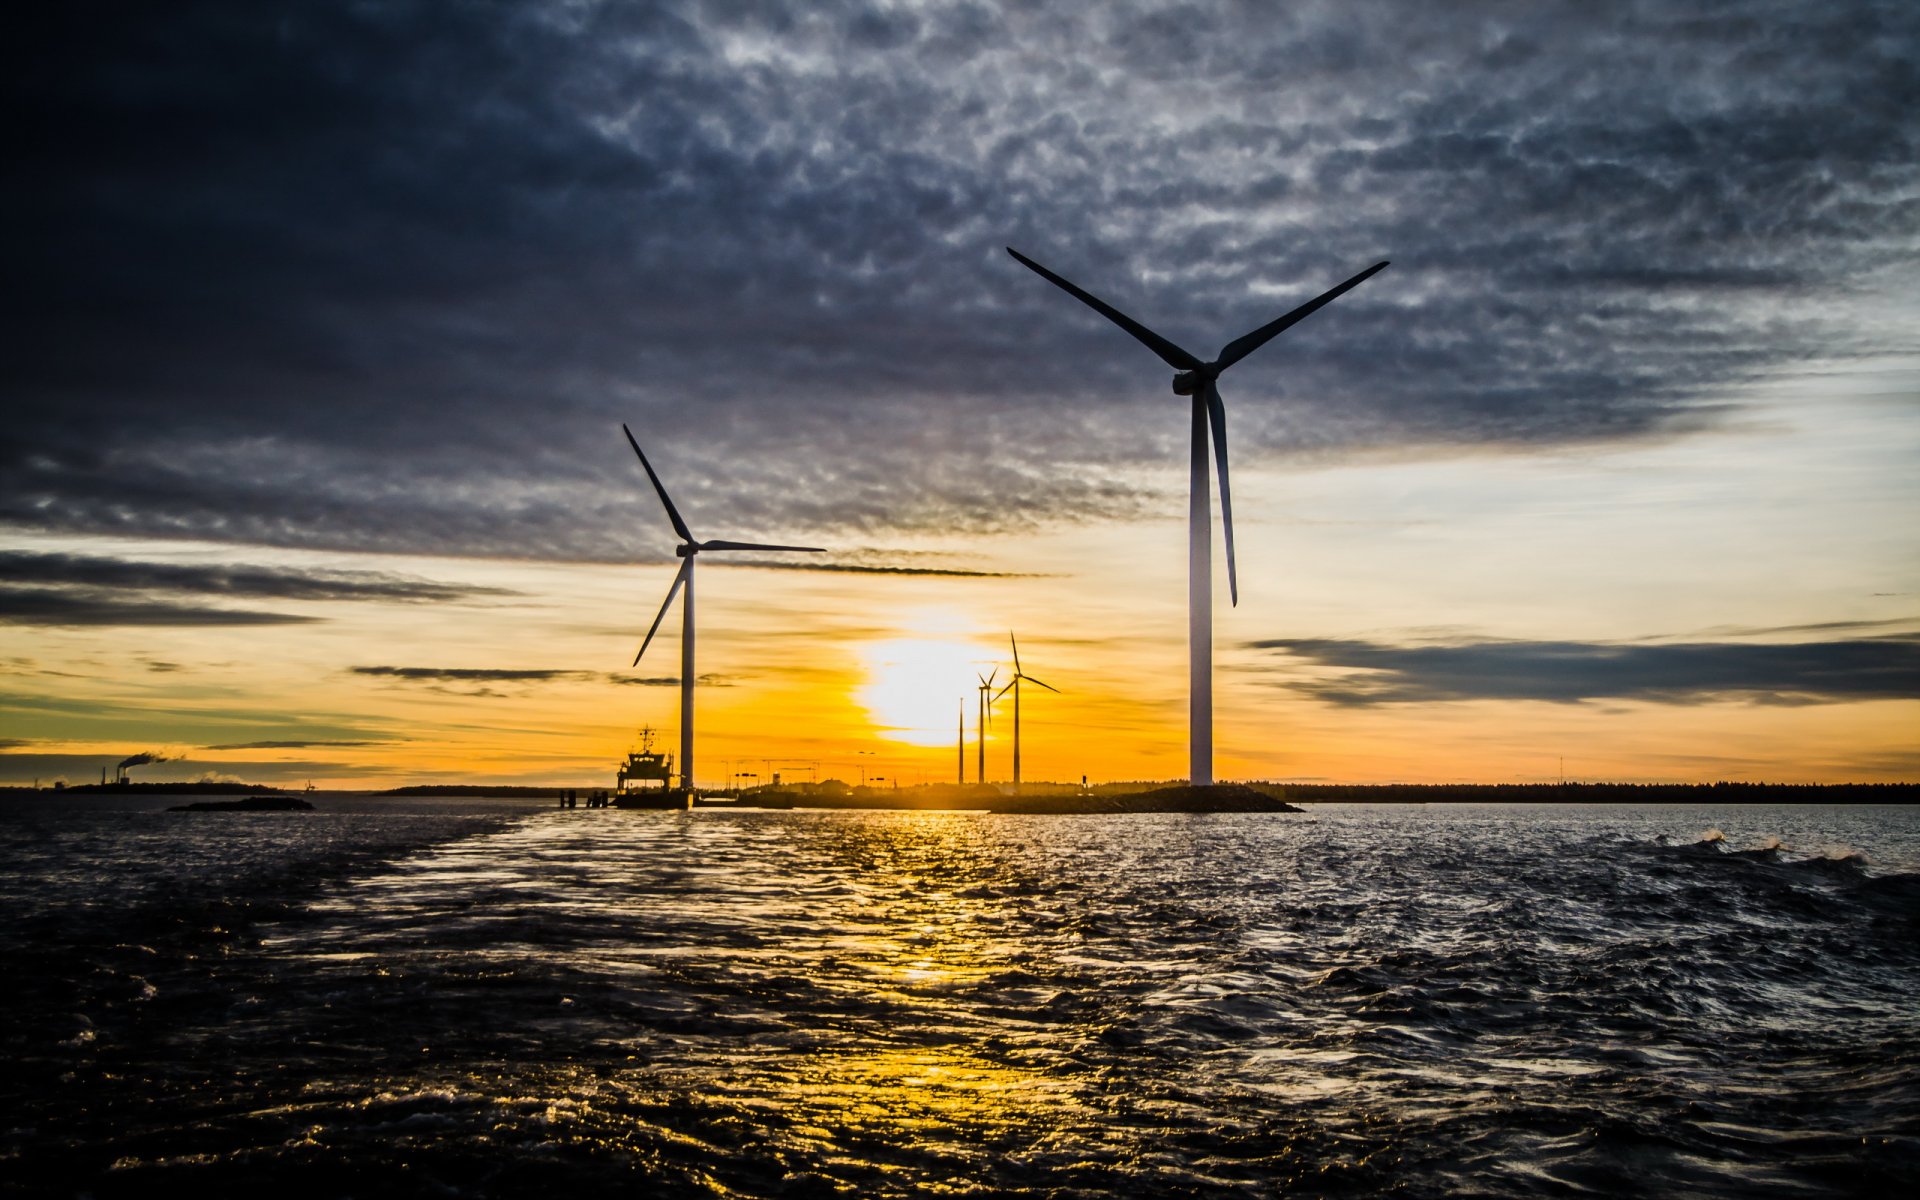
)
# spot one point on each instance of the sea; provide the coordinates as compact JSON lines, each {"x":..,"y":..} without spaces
{"x":492,"y":997}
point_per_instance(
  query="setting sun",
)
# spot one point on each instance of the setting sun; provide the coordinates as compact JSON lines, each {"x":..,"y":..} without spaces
{"x":913,"y":686}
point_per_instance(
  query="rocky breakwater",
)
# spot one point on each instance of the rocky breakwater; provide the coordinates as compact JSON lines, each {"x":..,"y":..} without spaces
{"x":250,"y":804}
{"x":1219,"y":798}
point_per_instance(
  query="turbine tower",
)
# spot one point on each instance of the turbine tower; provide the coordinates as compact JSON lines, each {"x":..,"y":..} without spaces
{"x":1197,"y":379}
{"x":688,"y":547}
{"x":1014,"y":687}
{"x":986,"y":716}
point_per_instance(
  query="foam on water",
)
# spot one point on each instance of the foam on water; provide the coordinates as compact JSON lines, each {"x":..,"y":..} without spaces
{"x":1424,"y":1000}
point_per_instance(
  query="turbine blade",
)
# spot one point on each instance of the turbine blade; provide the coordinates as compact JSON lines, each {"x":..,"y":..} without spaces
{"x":679,"y":578}
{"x":673,"y":514}
{"x":1240,"y":347}
{"x":1048,"y":686}
{"x":1217,"y":415}
{"x":1003,"y":691}
{"x":1169,"y":353}
{"x":757,"y":546}
{"x":1016,"y":651}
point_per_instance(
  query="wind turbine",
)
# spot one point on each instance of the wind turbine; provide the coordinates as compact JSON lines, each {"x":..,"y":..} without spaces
{"x":1197,"y":379}
{"x":1014,"y":687}
{"x":986,"y":715}
{"x":688,"y":547}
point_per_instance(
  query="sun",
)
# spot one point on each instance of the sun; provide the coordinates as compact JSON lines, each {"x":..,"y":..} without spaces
{"x":915,"y":685}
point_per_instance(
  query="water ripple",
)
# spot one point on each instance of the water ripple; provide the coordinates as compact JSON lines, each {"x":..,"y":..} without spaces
{"x":1357,"y":1001}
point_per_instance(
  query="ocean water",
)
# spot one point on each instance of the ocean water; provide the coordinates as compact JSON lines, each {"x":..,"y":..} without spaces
{"x":479,"y":998}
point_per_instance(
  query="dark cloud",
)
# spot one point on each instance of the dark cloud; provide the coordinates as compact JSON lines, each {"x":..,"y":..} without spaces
{"x":1889,"y":625}
{"x":472,"y":674}
{"x":1880,"y":668}
{"x":386,"y":277}
{"x":249,"y":582}
{"x":136,"y":722}
{"x":58,"y":606}
{"x":293,"y":745}
{"x":864,"y":569}
{"x":73,"y":589}
{"x":708,"y":680}
{"x":18,"y":768}
{"x":486,"y":675}
{"x":86,"y":768}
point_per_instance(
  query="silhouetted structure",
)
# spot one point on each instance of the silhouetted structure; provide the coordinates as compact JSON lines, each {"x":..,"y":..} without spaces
{"x":689,"y":546}
{"x":1197,"y":379}
{"x":645,"y":779}
{"x":986,"y":719}
{"x":1014,"y":686}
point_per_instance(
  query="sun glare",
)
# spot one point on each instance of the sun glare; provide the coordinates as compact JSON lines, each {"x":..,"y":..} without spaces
{"x":914,"y":686}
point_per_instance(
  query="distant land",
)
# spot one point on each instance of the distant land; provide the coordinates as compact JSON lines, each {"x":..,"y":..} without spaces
{"x":166,"y":789}
{"x":1601,"y":793}
{"x":1136,"y":796}
{"x":478,"y":789}
{"x":1041,"y":797}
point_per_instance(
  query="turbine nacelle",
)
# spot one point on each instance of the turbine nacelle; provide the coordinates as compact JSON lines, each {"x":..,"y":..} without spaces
{"x":1189,"y":383}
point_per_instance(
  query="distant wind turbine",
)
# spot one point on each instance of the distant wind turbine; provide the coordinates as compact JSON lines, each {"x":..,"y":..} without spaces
{"x":986,"y":717}
{"x":688,"y":547}
{"x":1197,"y":379}
{"x":1014,"y":687}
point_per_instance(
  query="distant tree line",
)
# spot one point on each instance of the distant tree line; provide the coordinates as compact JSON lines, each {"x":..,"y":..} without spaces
{"x":1724,"y":792}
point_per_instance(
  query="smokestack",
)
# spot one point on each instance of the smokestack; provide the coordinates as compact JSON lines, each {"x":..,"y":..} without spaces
{"x":138,"y":760}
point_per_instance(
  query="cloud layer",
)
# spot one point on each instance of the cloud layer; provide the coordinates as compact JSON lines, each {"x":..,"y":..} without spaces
{"x":476,"y":681}
{"x":61,"y":607}
{"x":73,"y":590}
{"x":387,"y":276}
{"x":1874,"y":668}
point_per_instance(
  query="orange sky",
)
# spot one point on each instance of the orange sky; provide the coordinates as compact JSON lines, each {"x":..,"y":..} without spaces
{"x":1768,"y":528}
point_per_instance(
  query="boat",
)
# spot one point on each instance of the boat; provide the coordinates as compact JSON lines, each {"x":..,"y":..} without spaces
{"x":645,"y":779}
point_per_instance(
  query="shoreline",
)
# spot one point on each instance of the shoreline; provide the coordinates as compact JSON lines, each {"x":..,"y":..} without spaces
{"x":1175,"y":796}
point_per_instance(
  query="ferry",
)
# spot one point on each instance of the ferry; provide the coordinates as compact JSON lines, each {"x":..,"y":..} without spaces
{"x":645,"y":779}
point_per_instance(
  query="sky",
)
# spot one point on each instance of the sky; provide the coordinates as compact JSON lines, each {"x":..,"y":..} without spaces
{"x":324,"y":319}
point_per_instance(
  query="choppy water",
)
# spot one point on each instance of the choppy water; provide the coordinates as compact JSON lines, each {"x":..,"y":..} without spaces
{"x":489,"y":999}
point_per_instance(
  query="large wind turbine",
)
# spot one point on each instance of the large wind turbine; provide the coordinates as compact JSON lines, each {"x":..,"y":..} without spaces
{"x":688,"y":547}
{"x":1197,"y":379}
{"x":1014,"y":687}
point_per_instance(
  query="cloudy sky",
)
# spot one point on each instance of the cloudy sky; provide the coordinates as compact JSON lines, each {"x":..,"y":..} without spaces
{"x":324,"y":319}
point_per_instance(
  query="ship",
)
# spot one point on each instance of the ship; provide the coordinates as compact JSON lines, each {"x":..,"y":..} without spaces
{"x":645,"y":779}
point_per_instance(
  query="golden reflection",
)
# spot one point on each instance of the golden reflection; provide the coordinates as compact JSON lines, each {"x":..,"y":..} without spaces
{"x":929,"y":939}
{"x":923,"y":1089}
